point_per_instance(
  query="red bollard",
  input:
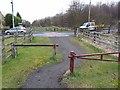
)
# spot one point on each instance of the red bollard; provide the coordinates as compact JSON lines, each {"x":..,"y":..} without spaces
{"x":72,"y":62}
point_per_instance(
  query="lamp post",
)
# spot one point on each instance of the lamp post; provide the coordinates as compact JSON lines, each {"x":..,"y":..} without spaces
{"x":89,"y":11}
{"x":12,"y":14}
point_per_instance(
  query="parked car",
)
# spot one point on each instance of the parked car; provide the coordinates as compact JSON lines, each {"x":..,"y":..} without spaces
{"x":88,"y":26}
{"x":16,"y":29}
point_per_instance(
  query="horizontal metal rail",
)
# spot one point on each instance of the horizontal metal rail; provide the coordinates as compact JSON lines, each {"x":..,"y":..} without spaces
{"x":100,"y":59}
{"x":84,"y":55}
{"x":36,"y":44}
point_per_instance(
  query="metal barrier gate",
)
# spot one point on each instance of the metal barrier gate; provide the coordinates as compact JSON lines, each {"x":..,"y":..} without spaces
{"x":37,"y":44}
{"x":72,"y":56}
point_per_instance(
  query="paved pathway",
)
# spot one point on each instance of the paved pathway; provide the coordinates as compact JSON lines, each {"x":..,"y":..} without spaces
{"x":51,"y":75}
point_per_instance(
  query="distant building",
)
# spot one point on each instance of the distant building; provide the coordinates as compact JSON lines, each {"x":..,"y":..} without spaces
{"x":1,"y":20}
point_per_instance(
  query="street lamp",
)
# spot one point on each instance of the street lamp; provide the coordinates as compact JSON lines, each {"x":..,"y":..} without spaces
{"x":12,"y":14}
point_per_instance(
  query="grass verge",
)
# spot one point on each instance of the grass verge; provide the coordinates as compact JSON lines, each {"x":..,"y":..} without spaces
{"x":93,"y":74}
{"x":0,"y":72}
{"x":0,"y":63}
{"x":15,"y":71}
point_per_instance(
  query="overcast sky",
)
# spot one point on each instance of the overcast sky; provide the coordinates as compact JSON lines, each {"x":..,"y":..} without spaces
{"x":36,"y":9}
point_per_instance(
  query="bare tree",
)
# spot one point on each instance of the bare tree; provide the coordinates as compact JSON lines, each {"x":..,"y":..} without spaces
{"x":77,"y":14}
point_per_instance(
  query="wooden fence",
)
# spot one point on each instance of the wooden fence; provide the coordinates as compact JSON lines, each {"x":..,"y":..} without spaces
{"x":8,"y":50}
{"x":106,"y":41}
{"x":0,"y":45}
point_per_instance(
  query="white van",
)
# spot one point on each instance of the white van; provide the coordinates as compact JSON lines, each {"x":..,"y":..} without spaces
{"x":88,"y":26}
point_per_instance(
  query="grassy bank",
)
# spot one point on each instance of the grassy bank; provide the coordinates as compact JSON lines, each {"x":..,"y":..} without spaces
{"x":15,"y":71}
{"x":0,"y":63}
{"x":93,"y":74}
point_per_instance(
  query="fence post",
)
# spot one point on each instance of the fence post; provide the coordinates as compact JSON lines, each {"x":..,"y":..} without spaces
{"x":31,"y":36}
{"x":72,"y":62}
{"x":13,"y":51}
{"x":24,"y":37}
{"x":94,"y":37}
{"x":3,"y":48}
{"x":28,"y":36}
{"x":101,"y":56}
{"x":77,"y":32}
{"x":14,"y":47}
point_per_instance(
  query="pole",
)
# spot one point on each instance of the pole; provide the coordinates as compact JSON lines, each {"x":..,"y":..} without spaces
{"x":72,"y":62}
{"x":54,"y":47}
{"x":14,"y":47}
{"x":119,"y":57}
{"x":12,"y":14}
{"x":3,"y":48}
{"x":89,"y":11}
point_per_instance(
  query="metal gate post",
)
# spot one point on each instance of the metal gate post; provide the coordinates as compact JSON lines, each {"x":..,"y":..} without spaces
{"x":72,"y":62}
{"x":54,"y":46}
{"x":119,"y":57}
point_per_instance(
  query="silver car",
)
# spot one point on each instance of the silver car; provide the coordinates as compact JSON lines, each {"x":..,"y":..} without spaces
{"x":16,"y":29}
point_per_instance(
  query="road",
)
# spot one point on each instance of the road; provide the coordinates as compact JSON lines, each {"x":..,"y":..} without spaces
{"x":51,"y":75}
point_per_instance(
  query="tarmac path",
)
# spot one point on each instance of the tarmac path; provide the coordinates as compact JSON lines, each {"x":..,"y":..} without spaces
{"x":51,"y":75}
